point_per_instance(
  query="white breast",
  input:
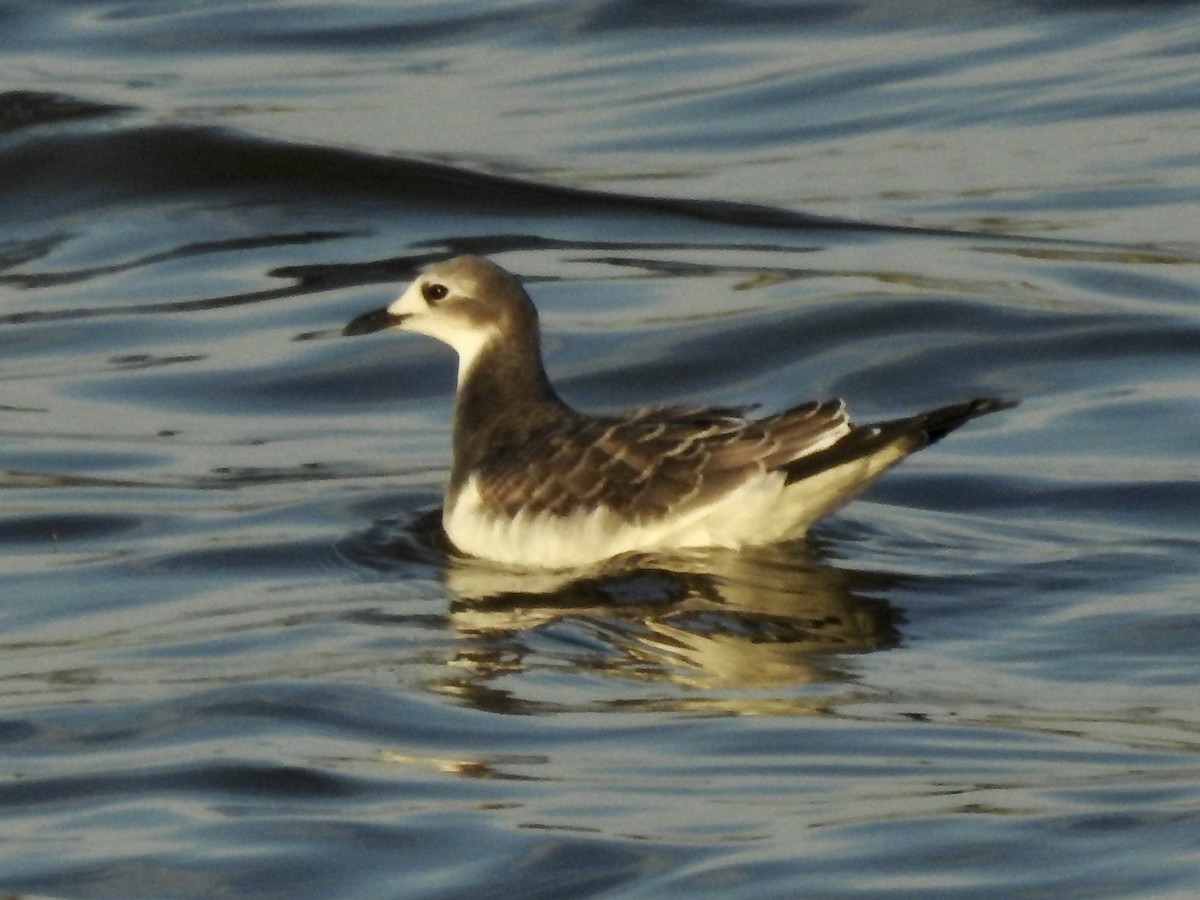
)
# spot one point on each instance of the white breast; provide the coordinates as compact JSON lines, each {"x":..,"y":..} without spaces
{"x":762,"y":510}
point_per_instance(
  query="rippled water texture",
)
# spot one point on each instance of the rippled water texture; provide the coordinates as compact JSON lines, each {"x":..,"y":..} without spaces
{"x":237,"y":658}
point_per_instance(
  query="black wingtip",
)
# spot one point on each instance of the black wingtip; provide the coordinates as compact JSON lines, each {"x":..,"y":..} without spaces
{"x":918,"y":431}
{"x":370,"y":322}
{"x":940,"y":422}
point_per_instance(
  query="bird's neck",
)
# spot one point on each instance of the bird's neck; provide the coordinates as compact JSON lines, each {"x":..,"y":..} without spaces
{"x":504,"y":399}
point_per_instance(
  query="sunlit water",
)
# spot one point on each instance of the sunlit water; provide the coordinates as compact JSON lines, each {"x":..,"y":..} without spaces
{"x":237,"y":659}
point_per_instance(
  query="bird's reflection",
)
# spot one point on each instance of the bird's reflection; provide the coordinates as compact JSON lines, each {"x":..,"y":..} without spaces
{"x":757,"y":618}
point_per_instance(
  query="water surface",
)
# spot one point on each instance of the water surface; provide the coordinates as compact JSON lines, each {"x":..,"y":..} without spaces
{"x":239,"y":660}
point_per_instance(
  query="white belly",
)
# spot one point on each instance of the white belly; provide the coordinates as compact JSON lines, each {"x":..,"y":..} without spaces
{"x":761,"y":511}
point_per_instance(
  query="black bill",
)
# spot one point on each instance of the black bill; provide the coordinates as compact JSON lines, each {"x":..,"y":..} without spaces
{"x":369,"y":323}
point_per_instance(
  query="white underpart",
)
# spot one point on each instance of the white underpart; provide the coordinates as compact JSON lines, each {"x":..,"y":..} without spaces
{"x":466,"y":338}
{"x":762,"y":510}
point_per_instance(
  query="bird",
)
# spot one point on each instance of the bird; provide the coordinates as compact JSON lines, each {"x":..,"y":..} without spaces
{"x":536,"y":484}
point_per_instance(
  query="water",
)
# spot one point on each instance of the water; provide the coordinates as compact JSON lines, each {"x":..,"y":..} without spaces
{"x":237,"y":659}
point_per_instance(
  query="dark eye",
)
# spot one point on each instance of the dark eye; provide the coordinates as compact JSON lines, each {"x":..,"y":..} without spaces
{"x":433,"y":292}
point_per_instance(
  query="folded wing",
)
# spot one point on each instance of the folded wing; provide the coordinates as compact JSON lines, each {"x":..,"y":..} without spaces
{"x":654,"y":463}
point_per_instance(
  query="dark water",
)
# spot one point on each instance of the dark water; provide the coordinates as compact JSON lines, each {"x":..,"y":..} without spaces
{"x":236,"y":659}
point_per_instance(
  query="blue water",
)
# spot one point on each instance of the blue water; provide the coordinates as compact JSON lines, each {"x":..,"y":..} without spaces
{"x":238,"y":660}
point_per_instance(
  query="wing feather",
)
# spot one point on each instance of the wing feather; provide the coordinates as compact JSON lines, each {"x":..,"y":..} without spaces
{"x":653,"y":462}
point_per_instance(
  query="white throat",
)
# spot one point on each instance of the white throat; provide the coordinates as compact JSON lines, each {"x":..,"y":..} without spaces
{"x":469,"y":347}
{"x":468,"y":340}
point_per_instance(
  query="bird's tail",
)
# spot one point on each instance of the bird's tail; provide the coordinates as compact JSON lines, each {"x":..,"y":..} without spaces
{"x":937,"y":423}
{"x":905,"y":435}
